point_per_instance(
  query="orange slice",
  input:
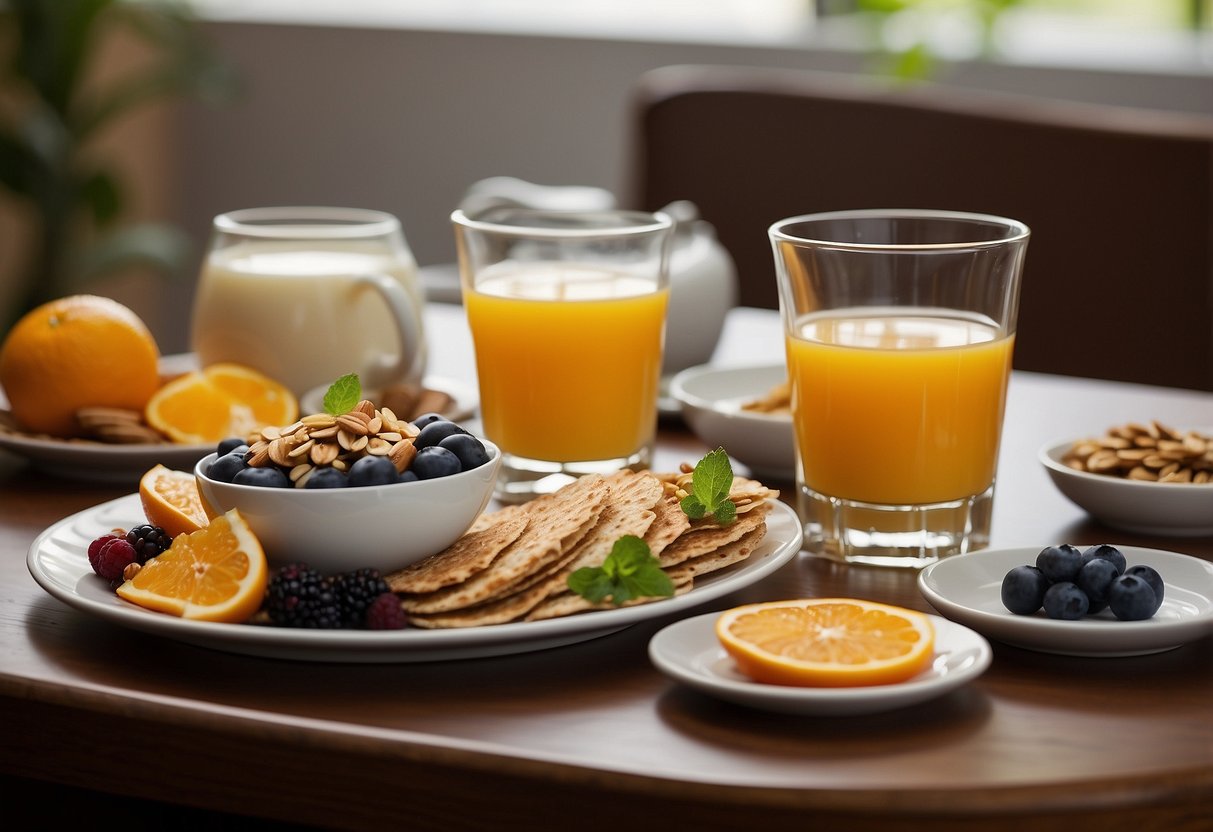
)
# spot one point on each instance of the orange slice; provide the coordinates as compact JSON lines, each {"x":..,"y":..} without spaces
{"x":223,"y":400}
{"x":216,"y":574}
{"x":171,"y":501}
{"x":827,"y":642}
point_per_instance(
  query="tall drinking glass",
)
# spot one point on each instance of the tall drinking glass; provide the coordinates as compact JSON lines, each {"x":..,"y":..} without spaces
{"x":899,"y":326}
{"x":567,"y":312}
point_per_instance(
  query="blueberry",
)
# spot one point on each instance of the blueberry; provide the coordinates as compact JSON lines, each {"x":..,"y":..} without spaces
{"x":1094,"y":579}
{"x":1023,"y":590}
{"x":326,"y":478}
{"x":468,"y":448}
{"x":1066,"y":601}
{"x":230,"y":444}
{"x":426,"y":418}
{"x":264,"y":477}
{"x":1106,"y":552}
{"x":1150,"y":576}
{"x":409,"y":476}
{"x":434,"y":462}
{"x":373,"y":470}
{"x":1131,"y":598}
{"x":226,"y":467}
{"x":435,"y":432}
{"x":1059,"y":563}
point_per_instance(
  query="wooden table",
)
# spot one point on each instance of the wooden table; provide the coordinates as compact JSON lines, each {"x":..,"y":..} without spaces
{"x":591,"y":736}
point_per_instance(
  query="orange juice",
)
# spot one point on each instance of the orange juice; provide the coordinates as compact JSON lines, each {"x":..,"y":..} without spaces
{"x":898,"y":409}
{"x":569,"y":360}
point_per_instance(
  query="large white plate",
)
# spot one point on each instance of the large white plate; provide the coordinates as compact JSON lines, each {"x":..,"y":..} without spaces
{"x":968,"y":588}
{"x":58,"y":561}
{"x":689,"y":652}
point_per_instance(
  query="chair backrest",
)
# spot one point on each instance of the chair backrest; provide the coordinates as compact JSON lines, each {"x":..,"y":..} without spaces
{"x":1118,"y":282}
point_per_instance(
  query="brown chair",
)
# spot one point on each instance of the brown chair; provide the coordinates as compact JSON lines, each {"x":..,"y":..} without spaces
{"x":1118,"y":282}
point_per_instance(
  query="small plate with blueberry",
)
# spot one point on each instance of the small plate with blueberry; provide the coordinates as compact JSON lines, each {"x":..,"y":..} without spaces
{"x":1101,"y":600}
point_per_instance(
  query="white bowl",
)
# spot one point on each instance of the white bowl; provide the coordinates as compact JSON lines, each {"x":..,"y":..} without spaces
{"x":334,"y":530}
{"x":1160,"y":508}
{"x":711,"y":400}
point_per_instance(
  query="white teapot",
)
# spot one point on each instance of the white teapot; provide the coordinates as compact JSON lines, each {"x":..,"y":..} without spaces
{"x":703,"y":277}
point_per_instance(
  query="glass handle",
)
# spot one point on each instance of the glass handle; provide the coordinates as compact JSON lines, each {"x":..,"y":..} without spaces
{"x":407,"y":366}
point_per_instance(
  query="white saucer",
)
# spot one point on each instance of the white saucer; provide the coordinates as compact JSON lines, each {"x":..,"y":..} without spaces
{"x":688,"y":651}
{"x":968,"y":588}
{"x":464,"y":398}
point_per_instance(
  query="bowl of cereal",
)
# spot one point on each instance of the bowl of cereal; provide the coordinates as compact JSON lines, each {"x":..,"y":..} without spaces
{"x":1146,"y":478}
{"x":744,"y":410}
{"x":337,"y":509}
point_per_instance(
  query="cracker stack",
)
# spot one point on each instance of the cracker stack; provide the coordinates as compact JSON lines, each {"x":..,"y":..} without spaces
{"x":513,"y":564}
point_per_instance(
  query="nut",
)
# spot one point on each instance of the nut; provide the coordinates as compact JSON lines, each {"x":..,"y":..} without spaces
{"x":1152,"y":452}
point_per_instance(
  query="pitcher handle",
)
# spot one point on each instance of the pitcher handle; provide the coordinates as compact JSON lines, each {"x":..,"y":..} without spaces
{"x":408,"y":366}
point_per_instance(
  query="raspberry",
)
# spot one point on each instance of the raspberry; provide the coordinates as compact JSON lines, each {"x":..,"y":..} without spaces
{"x":386,"y":613}
{"x":298,"y":596}
{"x":148,"y":541}
{"x":94,"y":548}
{"x":355,"y":591}
{"x":114,"y":557}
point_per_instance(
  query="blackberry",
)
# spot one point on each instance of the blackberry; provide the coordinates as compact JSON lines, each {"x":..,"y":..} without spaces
{"x":355,"y":592}
{"x":298,"y":596}
{"x":385,"y":613}
{"x":148,"y":541}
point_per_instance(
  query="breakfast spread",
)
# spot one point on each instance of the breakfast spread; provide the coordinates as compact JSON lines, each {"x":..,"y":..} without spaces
{"x":1151,"y":452}
{"x":1070,"y":584}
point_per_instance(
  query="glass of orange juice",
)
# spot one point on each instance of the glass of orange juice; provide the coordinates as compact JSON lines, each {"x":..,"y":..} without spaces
{"x":567,"y":311}
{"x":899,"y":327}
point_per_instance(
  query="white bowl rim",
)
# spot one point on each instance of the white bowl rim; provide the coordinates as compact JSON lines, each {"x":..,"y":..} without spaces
{"x":493,"y":451}
{"x":679,"y":391}
{"x":1047,"y":457}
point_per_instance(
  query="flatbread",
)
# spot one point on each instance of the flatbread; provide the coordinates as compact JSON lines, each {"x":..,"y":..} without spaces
{"x":555,"y":523}
{"x":566,"y":603}
{"x":707,"y":537}
{"x":669,"y":523}
{"x":470,"y":554}
{"x":719,"y":558}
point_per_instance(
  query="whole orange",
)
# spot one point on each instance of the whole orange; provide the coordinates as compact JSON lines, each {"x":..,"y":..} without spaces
{"x":74,"y":352}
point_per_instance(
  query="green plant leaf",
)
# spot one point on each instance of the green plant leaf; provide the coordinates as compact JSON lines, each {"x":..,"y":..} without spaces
{"x":630,"y":571}
{"x":343,"y":395}
{"x":103,"y":196}
{"x":711,"y":482}
{"x":165,"y":248}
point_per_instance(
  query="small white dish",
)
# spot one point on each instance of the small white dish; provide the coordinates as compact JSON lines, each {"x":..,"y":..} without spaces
{"x":689,"y":652}
{"x":58,"y":562}
{"x":464,"y":398}
{"x":384,"y":527}
{"x":100,"y":462}
{"x":1154,"y":508}
{"x":968,"y":588}
{"x":711,"y":399}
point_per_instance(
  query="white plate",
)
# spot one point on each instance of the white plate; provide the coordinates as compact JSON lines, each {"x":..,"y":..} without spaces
{"x":968,"y":588}
{"x":465,"y":398}
{"x":689,"y":652}
{"x":711,"y":400}
{"x":1155,"y":508}
{"x":58,"y":561}
{"x":99,"y":462}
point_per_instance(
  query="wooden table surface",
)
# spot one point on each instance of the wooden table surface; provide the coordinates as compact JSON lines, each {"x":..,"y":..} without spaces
{"x":592,"y":736}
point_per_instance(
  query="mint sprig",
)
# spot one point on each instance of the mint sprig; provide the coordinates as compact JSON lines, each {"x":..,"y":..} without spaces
{"x":629,"y":571}
{"x":711,"y":482}
{"x":343,"y":395}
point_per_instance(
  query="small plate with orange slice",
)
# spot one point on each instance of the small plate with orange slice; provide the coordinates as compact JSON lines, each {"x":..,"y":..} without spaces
{"x":925,"y":656}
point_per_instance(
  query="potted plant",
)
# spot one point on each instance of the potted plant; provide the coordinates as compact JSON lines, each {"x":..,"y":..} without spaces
{"x":50,"y":112}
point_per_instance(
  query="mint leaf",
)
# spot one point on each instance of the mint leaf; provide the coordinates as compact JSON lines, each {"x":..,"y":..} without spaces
{"x":629,"y":571}
{"x":711,"y":482}
{"x":343,"y":395}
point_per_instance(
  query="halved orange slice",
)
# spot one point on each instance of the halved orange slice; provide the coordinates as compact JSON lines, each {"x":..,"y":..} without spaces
{"x":171,"y":501}
{"x":221,"y":401}
{"x":827,"y":642}
{"x":216,"y":574}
